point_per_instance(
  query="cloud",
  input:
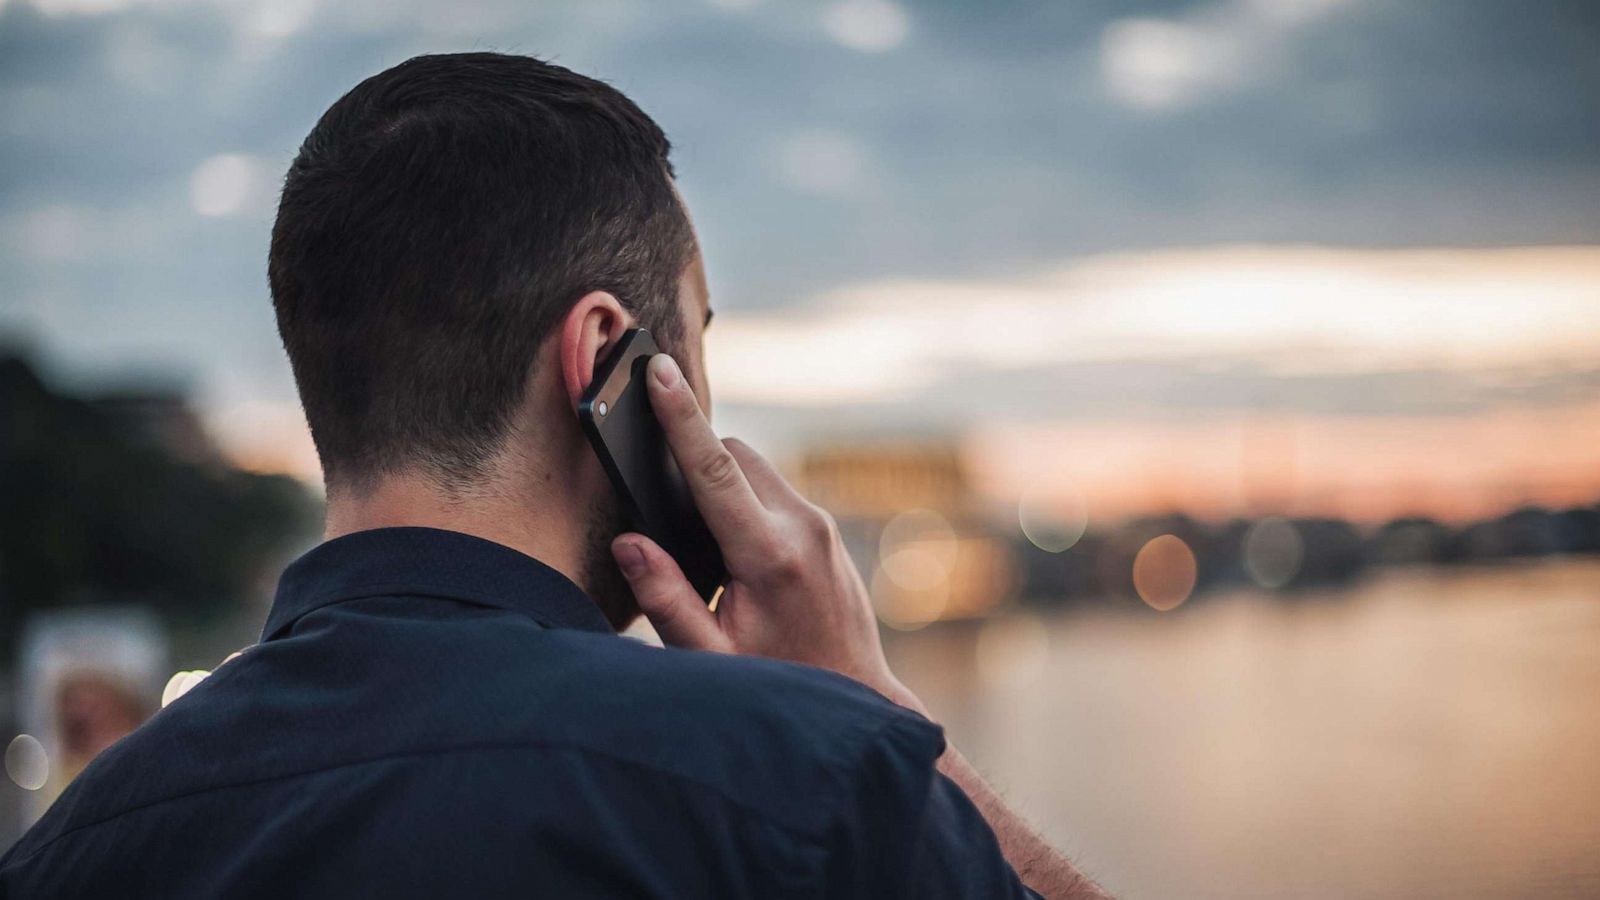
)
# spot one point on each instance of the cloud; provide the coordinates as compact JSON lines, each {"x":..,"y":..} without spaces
{"x":1196,"y":390}
{"x":871,"y":26}
{"x":1304,"y":307}
{"x":1179,"y":335}
{"x":87,"y":7}
{"x":56,"y":233}
{"x":1158,"y":63}
{"x":54,"y":237}
{"x":821,"y":160}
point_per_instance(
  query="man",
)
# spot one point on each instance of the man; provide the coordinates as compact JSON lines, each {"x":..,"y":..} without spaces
{"x":439,"y":705}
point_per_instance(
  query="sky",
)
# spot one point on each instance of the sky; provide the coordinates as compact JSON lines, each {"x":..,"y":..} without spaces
{"x":1316,"y":256}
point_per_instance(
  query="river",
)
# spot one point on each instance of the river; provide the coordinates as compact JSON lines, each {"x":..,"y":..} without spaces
{"x":1425,"y":733}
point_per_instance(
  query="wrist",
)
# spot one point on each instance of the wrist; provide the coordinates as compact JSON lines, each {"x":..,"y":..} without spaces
{"x":891,"y":688}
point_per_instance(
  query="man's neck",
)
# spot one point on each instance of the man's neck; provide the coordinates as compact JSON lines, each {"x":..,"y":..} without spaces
{"x":540,"y":527}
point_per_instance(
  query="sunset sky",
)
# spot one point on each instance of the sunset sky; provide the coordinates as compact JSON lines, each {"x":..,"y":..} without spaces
{"x":1366,"y":383}
{"x":1235,"y":256}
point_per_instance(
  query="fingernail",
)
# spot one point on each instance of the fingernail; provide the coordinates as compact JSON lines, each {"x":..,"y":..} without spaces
{"x":630,"y":559}
{"x":665,"y":370}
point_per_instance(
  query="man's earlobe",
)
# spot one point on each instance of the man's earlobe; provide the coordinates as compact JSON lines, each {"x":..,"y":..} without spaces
{"x":593,"y":325}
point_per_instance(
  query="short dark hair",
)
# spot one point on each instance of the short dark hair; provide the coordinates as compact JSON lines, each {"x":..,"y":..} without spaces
{"x":435,"y":226}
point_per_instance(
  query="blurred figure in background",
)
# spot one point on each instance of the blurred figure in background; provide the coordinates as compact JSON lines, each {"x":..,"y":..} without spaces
{"x":89,"y":677}
{"x":93,"y":711}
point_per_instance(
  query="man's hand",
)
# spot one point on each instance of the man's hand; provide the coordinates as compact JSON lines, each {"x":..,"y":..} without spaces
{"x":793,"y":592}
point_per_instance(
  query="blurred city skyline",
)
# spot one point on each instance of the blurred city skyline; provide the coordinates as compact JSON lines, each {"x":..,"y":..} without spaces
{"x":1302,"y":257}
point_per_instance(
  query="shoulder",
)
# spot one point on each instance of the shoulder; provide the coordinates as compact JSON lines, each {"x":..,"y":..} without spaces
{"x":730,"y":690}
{"x":764,"y":733}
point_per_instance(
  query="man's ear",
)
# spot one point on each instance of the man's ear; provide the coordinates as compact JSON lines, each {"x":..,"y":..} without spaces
{"x":591,"y":328}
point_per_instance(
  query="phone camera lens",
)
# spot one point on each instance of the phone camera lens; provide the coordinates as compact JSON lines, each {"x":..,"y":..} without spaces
{"x":602,"y":408}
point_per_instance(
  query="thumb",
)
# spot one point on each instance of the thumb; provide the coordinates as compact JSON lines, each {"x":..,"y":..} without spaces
{"x":666,"y":597}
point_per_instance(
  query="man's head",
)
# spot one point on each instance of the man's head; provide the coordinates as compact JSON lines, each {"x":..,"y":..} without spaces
{"x":452,"y":228}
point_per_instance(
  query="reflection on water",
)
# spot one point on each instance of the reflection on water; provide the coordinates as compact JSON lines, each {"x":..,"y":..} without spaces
{"x":1428,"y":733}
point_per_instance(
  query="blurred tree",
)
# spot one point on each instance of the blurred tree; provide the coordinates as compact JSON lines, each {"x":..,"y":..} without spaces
{"x":124,"y":499}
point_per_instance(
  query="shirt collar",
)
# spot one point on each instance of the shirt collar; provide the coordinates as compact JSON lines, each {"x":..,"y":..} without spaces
{"x":429,"y":562}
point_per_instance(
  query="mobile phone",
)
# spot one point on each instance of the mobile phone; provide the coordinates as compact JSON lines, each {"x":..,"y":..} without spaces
{"x":622,"y":427}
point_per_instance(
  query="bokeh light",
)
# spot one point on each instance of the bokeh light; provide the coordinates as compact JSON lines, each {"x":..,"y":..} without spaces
{"x":181,"y":683}
{"x":1164,"y":572}
{"x":1012,"y":650}
{"x":918,"y":549}
{"x":1153,"y":63}
{"x":1273,"y":550}
{"x":906,"y":609}
{"x":280,"y":18}
{"x":1053,"y":521}
{"x":223,"y":185}
{"x":27,"y":763}
{"x":871,"y":26}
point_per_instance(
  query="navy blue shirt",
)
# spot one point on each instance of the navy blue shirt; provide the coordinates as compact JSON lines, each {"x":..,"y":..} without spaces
{"x":431,"y":714}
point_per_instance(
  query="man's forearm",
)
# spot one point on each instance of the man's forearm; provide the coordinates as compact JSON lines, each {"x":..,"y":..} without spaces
{"x":1039,"y":865}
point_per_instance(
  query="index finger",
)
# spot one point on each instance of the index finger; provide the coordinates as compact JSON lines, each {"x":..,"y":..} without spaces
{"x":721,"y":491}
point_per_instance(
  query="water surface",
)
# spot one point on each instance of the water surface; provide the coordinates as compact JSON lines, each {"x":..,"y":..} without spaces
{"x":1426,"y":733}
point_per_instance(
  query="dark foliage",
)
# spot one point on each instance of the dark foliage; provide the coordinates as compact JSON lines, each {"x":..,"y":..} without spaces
{"x":98,"y":511}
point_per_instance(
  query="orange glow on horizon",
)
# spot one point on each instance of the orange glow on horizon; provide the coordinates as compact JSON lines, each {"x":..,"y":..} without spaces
{"x":270,"y":439}
{"x":1367,"y":469}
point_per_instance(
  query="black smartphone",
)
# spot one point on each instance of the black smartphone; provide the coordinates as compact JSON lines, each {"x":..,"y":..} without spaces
{"x":623,"y":429}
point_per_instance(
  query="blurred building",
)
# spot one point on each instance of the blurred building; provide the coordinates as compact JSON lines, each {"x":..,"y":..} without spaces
{"x":914,"y":527}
